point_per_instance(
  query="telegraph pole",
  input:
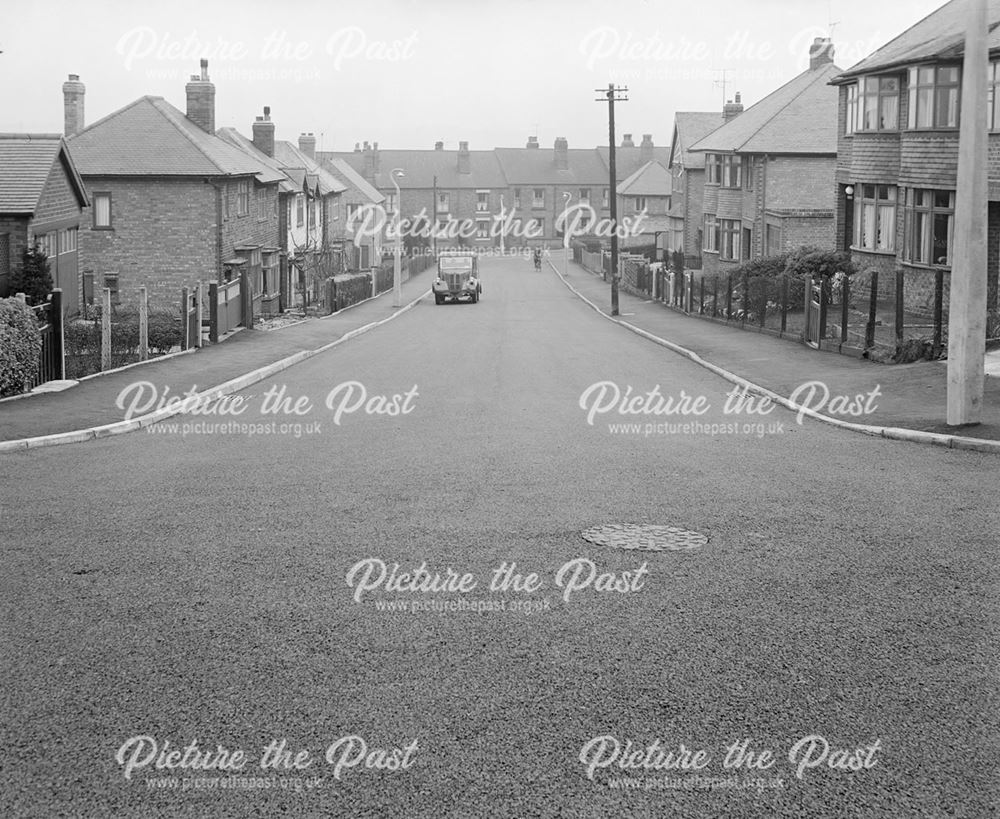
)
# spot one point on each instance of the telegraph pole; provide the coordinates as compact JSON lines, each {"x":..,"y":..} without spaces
{"x":613,"y":95}
{"x":967,"y":312}
{"x":434,"y":216}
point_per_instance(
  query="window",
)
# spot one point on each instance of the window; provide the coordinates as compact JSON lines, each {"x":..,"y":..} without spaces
{"x":772,"y":239}
{"x":584,"y":196}
{"x":300,"y":210}
{"x":748,"y":173}
{"x":640,"y":203}
{"x":482,"y":201}
{"x":713,"y":169}
{"x":730,"y":235}
{"x":993,"y":98}
{"x":605,"y":198}
{"x":243,"y":197}
{"x":111,"y":283}
{"x":852,"y":109}
{"x":930,"y":224}
{"x":482,"y":229}
{"x":102,"y":210}
{"x":934,"y":97}
{"x":710,"y":236}
{"x":875,"y":223}
{"x":732,"y":168}
{"x":517,"y":198}
{"x":67,"y":240}
{"x":46,"y":243}
{"x":262,"y":209}
{"x":538,"y":198}
{"x":269,"y":273}
{"x":877,"y":104}
{"x":352,"y":208}
{"x":443,"y":203}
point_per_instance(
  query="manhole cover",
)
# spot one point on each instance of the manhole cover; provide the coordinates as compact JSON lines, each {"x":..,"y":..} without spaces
{"x":645,"y":538}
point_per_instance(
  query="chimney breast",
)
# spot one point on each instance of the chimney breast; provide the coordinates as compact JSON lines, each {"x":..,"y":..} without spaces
{"x":307,"y":144}
{"x":627,"y":141}
{"x":73,"y":92}
{"x":201,"y":100}
{"x":732,"y":109}
{"x":820,"y":53}
{"x":263,"y":133}
{"x":646,"y":148}
{"x":561,"y":153}
{"x":464,"y":160}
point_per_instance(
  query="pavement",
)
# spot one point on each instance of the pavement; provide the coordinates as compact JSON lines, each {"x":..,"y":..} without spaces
{"x":852,"y":392}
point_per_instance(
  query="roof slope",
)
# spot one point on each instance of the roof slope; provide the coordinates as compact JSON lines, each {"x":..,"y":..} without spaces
{"x":628,"y":160}
{"x":26,"y":161}
{"x":421,"y":166}
{"x":939,"y":36}
{"x":150,"y":137}
{"x":689,"y":127}
{"x":651,"y":179}
{"x":291,"y":157}
{"x":800,"y":117}
{"x":527,"y":166}
{"x":237,"y":140}
{"x":343,"y":169}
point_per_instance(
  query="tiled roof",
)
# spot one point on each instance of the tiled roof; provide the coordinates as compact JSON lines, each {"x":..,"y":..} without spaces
{"x":421,"y":166}
{"x":290,"y":156}
{"x":25,"y":163}
{"x":939,"y":36}
{"x":237,"y":140}
{"x":800,"y":117}
{"x":346,"y":173}
{"x":150,"y":137}
{"x":651,"y":179}
{"x":526,"y":166}
{"x":689,"y":127}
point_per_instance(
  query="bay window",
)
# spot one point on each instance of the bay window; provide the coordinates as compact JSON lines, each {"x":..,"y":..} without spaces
{"x":878,"y":103}
{"x":875,"y":221}
{"x":710,"y":235}
{"x":729,"y":230}
{"x":930,"y":223}
{"x":732,"y":171}
{"x":934,"y":97}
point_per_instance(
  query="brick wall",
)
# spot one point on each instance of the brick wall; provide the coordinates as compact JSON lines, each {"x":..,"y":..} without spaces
{"x":163,"y":236}
{"x":16,"y":229}
{"x":693,"y":210}
{"x":58,"y":202}
{"x":811,"y":231}
{"x":258,"y":227}
{"x":800,"y":182}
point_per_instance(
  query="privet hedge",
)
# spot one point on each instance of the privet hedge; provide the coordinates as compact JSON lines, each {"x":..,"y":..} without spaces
{"x":20,"y":346}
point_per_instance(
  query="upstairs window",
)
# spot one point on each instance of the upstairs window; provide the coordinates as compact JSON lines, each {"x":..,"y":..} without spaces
{"x":243,"y":197}
{"x":443,"y":203}
{"x":102,"y":210}
{"x":934,"y":97}
{"x":517,"y":198}
{"x":538,"y":198}
{"x":482,"y":201}
{"x":584,"y":196}
{"x":713,"y":169}
{"x":732,"y":171}
{"x":851,"y":120}
{"x":640,"y":203}
{"x":605,"y":197}
{"x":993,"y":98}
{"x":878,"y":104}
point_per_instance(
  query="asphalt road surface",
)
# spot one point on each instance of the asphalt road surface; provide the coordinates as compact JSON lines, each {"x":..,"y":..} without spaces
{"x":186,"y":608}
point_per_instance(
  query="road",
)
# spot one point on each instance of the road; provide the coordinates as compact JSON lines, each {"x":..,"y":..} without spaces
{"x":224,"y":588}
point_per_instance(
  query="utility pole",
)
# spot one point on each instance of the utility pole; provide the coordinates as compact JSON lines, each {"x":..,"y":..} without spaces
{"x":613,"y":95}
{"x":434,"y":217}
{"x":967,"y":299}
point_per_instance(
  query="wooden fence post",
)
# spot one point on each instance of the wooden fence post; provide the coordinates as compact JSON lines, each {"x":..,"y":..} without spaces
{"x":746,"y":297}
{"x":143,"y":324}
{"x":938,"y":308}
{"x":198,"y":311}
{"x":58,"y":332}
{"x":715,"y":296}
{"x":246,"y":300}
{"x":899,"y":305}
{"x":105,"y":329}
{"x":701,"y":307}
{"x":784,"y":303}
{"x":184,"y":319}
{"x":765,"y":285}
{"x":872,"y":311}
{"x":213,"y":312}
{"x":845,"y":297}
{"x":824,"y":304}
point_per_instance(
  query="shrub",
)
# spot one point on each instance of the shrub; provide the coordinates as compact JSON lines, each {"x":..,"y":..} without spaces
{"x":20,"y":346}
{"x":164,"y":331}
{"x":34,"y":279}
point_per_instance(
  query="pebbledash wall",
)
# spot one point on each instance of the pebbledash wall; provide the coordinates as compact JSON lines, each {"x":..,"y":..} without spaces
{"x":165,"y":233}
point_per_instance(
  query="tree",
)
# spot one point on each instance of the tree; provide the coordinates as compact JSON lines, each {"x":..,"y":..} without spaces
{"x":34,"y":279}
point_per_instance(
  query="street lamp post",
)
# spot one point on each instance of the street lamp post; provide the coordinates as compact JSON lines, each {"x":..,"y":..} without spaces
{"x":503,"y":227}
{"x":397,"y":284}
{"x":566,"y":197}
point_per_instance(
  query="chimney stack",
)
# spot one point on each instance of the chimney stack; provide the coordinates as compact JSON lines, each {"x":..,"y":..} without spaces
{"x":561,"y":154}
{"x":201,"y":100}
{"x":646,"y":148}
{"x":439,"y":146}
{"x":732,"y":108}
{"x":263,"y":133}
{"x":370,"y":151}
{"x":820,"y":53}
{"x":532,"y":142}
{"x":73,"y":91}
{"x":307,"y":144}
{"x":627,"y":141}
{"x":464,"y":158}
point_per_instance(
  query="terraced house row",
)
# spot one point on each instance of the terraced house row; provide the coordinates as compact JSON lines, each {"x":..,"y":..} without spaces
{"x":863,"y":160}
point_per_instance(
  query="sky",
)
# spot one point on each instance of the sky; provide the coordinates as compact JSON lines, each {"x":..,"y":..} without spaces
{"x":407,"y":73}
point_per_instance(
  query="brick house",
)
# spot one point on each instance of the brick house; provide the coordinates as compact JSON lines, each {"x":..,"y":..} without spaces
{"x":646,"y":191}
{"x":687,"y":169}
{"x":42,"y":199}
{"x":171,"y":202}
{"x":897,"y":155}
{"x":358,"y":251}
{"x":769,"y":171}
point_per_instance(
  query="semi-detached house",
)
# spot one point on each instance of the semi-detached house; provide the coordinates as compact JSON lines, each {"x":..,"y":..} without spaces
{"x":171,"y":202}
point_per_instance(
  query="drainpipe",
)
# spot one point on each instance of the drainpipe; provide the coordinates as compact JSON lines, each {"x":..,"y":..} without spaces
{"x":218,"y":227}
